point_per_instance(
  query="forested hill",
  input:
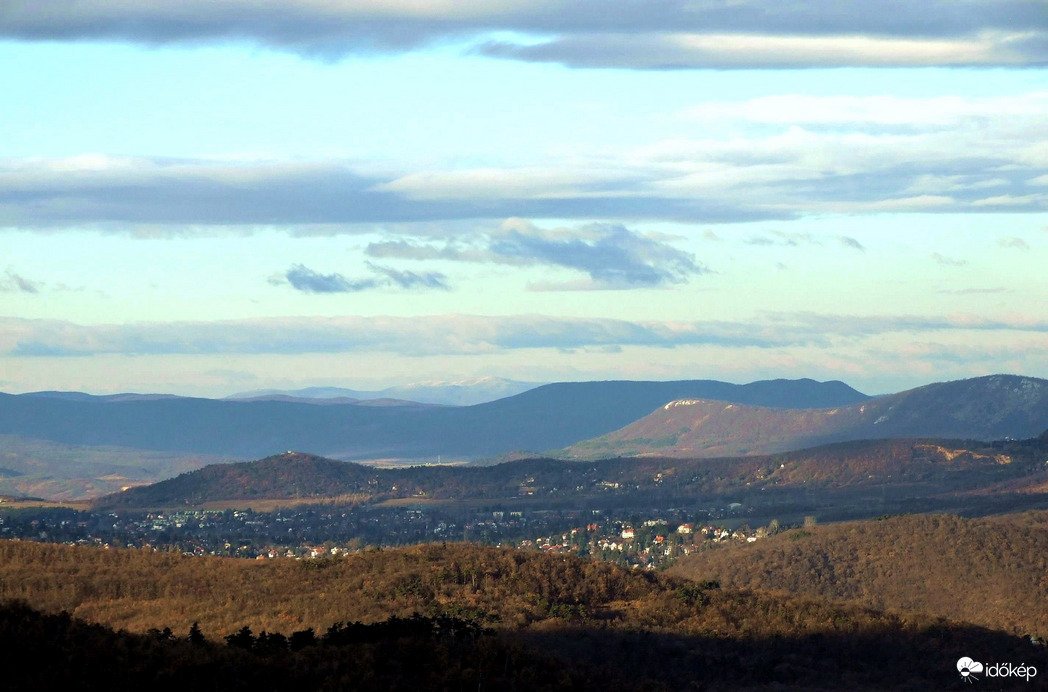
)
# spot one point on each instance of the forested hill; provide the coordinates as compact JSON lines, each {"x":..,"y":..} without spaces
{"x":938,"y":464}
{"x":991,"y":571}
{"x":547,"y":417}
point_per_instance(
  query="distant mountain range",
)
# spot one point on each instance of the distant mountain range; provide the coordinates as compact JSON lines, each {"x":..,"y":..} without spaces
{"x":77,"y":445}
{"x":329,"y":401}
{"x":985,"y":408}
{"x":461,"y":393}
{"x":546,"y":417}
{"x":82,"y":396}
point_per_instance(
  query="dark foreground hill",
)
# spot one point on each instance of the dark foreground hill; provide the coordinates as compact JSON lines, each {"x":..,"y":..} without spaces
{"x":985,"y":408}
{"x":546,"y":417}
{"x":990,"y":570}
{"x":449,"y":617}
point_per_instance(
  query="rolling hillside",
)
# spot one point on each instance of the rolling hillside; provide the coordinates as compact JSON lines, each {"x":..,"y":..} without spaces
{"x":986,"y":408}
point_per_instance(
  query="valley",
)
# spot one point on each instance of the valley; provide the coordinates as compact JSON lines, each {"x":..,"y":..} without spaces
{"x":529,"y":346}
{"x":290,"y":504}
{"x":909,"y":547}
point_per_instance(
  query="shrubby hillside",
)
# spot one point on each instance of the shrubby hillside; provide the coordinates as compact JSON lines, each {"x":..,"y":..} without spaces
{"x":991,"y":571}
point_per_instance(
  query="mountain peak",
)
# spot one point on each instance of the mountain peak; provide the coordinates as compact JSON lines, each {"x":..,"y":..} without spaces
{"x":987,"y":408}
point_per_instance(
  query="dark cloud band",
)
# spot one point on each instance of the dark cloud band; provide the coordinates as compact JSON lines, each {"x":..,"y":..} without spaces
{"x":587,"y":33}
{"x":165,"y":197}
{"x":157,"y":192}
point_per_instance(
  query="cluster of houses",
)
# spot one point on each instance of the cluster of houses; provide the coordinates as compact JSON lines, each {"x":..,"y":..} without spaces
{"x":653,"y":543}
{"x":639,"y":537}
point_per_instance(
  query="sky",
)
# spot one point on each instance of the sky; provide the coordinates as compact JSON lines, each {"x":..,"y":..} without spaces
{"x":205,"y":198}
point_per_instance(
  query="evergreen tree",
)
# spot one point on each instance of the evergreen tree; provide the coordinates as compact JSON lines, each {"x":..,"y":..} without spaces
{"x":243,"y":639}
{"x":195,"y":635}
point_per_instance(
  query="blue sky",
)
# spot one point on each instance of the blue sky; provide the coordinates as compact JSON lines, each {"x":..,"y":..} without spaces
{"x":206,"y":199}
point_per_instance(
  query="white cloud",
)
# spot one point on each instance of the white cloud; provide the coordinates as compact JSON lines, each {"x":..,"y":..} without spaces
{"x":1012,"y":201}
{"x":499,"y":183}
{"x":667,"y":50}
{"x":883,"y":110}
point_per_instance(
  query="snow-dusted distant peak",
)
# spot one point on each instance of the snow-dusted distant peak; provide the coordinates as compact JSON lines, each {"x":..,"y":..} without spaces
{"x":448,"y":393}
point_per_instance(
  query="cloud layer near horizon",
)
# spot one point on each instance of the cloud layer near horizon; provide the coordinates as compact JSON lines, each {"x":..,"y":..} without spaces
{"x":641,"y":34}
{"x":463,"y":334}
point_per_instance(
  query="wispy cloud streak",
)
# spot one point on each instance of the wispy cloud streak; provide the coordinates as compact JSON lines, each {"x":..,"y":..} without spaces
{"x":613,"y":256}
{"x":13,"y":282}
{"x":306,"y":280}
